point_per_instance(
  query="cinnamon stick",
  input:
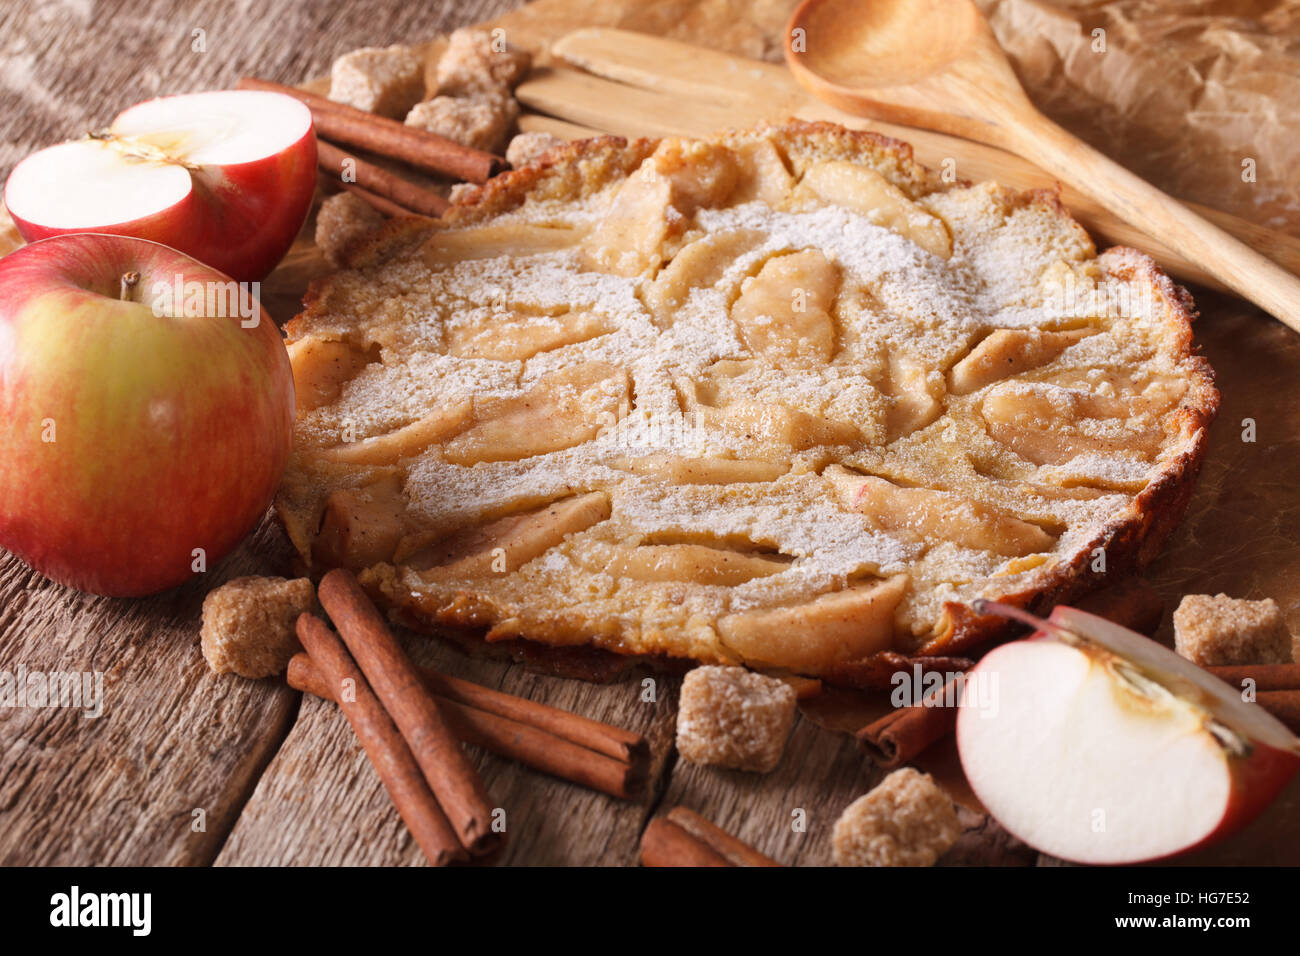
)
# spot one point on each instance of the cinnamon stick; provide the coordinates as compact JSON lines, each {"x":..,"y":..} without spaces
{"x":397,"y":683}
{"x":1284,"y":705}
{"x":606,"y":739}
{"x":512,"y":739}
{"x":901,"y":735}
{"x":388,"y":752}
{"x":664,"y":843}
{"x":385,"y":137}
{"x":385,"y":206}
{"x":624,"y":745}
{"x":379,"y":181}
{"x":717,"y":839}
{"x":1265,"y":676}
{"x":1277,"y":687}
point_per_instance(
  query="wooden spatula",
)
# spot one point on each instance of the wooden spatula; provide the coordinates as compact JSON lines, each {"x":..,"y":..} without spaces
{"x":936,"y":64}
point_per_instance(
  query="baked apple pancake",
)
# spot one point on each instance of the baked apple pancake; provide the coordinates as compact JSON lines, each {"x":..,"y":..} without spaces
{"x":783,"y":397}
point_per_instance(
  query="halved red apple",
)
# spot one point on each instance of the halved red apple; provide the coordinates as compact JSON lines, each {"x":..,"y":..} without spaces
{"x":1095,"y":744}
{"x":226,"y":177}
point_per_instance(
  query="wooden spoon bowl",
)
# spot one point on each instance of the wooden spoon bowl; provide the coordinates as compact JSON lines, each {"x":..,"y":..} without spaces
{"x":880,"y":45}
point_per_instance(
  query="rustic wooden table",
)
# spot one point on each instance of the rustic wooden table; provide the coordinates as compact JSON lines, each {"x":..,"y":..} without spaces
{"x":187,"y":768}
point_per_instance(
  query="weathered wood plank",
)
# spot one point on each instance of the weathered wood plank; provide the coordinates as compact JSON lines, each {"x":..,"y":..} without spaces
{"x":320,"y":803}
{"x":173,"y":739}
{"x":790,"y":813}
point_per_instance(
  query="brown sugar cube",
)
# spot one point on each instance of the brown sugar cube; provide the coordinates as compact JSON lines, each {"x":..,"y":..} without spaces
{"x":480,"y":120}
{"x":907,"y":820}
{"x":731,"y":717}
{"x":526,"y":147}
{"x":248,"y":624}
{"x":476,"y":60}
{"x":383,"y":80}
{"x":1219,"y":630}
{"x":342,"y":220}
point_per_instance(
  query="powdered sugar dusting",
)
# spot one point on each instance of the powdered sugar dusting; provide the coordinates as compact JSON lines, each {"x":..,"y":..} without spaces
{"x":695,"y":391}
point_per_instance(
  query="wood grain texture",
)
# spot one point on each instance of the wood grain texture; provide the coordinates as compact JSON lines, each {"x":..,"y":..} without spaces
{"x":320,"y":803}
{"x":174,"y":738}
{"x":788,"y":814}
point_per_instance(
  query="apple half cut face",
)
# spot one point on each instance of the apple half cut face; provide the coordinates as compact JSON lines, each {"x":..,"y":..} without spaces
{"x":226,"y":177}
{"x":1097,"y":745}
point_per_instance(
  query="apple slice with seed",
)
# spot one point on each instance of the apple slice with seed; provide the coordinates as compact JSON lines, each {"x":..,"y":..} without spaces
{"x":1095,"y":744}
{"x":226,"y":177}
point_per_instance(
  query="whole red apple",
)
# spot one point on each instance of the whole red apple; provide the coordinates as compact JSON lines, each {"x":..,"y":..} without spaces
{"x":226,"y":177}
{"x":148,"y":412}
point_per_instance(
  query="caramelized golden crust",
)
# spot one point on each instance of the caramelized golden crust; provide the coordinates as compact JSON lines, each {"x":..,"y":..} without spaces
{"x":782,"y":397}
{"x":1133,"y":538}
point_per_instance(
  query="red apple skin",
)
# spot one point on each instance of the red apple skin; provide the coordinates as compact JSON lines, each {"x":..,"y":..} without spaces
{"x":171,"y":434}
{"x":240,"y":218}
{"x":1256,"y":780}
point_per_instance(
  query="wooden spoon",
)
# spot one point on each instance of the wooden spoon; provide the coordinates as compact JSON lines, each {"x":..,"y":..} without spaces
{"x":936,"y":64}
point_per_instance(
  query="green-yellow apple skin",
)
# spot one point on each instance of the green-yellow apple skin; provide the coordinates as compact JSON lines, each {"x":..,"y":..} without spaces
{"x":137,"y":449}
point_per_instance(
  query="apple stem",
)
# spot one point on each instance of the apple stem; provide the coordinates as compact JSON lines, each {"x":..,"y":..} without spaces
{"x":129,"y":280}
{"x":983,"y":607}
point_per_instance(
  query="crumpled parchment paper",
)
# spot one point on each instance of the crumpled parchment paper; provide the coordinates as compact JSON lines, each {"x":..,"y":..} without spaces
{"x":1200,"y":97}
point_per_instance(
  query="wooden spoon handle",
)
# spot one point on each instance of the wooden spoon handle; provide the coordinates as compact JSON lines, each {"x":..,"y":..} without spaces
{"x":1232,"y":262}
